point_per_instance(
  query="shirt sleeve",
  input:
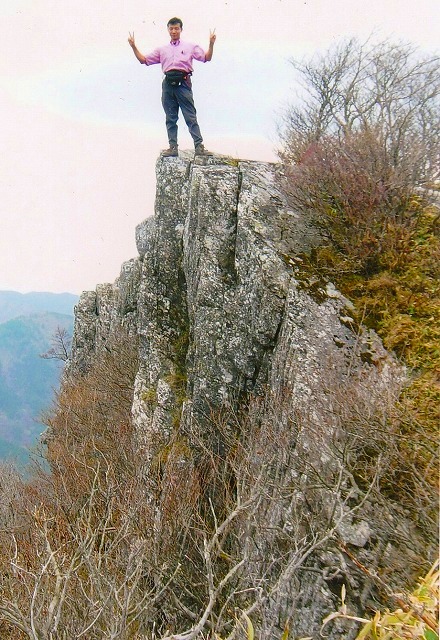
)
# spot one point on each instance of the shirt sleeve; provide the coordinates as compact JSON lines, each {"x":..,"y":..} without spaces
{"x":198,"y":53}
{"x":153,"y":57}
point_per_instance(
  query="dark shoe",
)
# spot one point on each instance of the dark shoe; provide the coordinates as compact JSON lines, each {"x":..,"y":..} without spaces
{"x":172,"y":152}
{"x":201,"y":151}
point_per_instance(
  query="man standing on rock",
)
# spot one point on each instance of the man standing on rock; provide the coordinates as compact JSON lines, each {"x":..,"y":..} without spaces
{"x":176,"y":60}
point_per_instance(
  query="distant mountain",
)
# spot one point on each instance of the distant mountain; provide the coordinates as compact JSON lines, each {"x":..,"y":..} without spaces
{"x":14,"y":304}
{"x":27,"y":381}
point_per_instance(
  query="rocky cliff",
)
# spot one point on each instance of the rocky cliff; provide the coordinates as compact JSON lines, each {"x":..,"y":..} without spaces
{"x":229,"y":320}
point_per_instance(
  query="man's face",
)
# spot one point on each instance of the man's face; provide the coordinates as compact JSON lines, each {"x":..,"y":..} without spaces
{"x":174,"y":30}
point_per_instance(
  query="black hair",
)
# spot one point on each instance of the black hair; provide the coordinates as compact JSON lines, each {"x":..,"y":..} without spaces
{"x":175,"y":21}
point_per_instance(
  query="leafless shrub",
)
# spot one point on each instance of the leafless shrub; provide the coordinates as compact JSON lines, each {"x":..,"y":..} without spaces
{"x":363,"y":208}
{"x":10,"y":487}
{"x":389,"y":91}
{"x":61,"y":344}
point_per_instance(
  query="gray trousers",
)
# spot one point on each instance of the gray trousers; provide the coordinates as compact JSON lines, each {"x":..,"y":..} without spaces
{"x":181,"y":97}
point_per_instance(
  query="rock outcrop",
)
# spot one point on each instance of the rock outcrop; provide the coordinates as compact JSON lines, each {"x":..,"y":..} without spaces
{"x":216,"y":297}
{"x":224,"y":311}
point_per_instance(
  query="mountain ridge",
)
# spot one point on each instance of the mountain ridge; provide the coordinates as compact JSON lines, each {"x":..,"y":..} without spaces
{"x":14,"y":303}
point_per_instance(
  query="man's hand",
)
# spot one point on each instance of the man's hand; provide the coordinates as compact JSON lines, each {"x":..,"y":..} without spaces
{"x":140,"y":56}
{"x":212,"y":39}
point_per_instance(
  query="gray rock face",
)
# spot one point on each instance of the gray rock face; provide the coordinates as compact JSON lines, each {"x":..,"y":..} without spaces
{"x":99,"y":313}
{"x":221,"y":311}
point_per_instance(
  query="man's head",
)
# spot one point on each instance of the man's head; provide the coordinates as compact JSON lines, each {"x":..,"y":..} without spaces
{"x":175,"y":26}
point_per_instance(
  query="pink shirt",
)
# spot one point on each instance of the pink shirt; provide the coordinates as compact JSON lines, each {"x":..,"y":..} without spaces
{"x":176,"y":55}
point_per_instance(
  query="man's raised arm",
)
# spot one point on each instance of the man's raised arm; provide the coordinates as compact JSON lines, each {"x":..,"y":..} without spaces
{"x":212,"y":38}
{"x":136,"y":51}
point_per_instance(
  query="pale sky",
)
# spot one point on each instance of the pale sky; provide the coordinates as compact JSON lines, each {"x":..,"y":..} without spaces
{"x":82,"y":124}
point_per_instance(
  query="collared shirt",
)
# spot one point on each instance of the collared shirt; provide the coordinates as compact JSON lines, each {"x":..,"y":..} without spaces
{"x":176,"y":55}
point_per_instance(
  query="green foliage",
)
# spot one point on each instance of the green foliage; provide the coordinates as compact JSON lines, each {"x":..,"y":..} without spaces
{"x":416,"y":616}
{"x":234,"y":162}
{"x":249,"y":628}
{"x":150,"y":396}
{"x":401,"y":301}
{"x":179,"y":350}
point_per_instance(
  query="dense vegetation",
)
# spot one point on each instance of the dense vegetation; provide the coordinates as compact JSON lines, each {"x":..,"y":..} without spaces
{"x":362,"y":159}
